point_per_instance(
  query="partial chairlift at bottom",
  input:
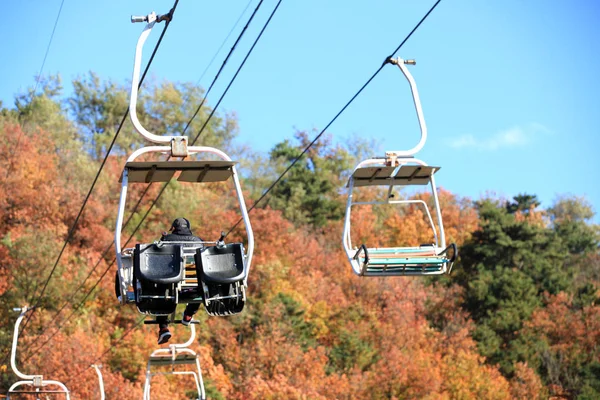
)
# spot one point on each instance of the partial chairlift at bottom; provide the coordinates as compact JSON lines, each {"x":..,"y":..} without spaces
{"x":180,"y":361}
{"x":32,"y":384}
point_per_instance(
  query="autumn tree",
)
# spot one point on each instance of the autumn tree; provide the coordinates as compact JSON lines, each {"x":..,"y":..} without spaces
{"x":309,"y":191}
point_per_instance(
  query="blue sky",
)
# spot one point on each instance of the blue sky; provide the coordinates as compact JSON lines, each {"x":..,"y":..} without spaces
{"x":510,"y":89}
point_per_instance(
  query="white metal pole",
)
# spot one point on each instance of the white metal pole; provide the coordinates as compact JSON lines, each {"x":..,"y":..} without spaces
{"x":134,"y":85}
{"x":417,"y":101}
{"x":97,"y":368}
{"x":119,"y":224}
{"x":438,"y":211}
{"x":13,"y":355}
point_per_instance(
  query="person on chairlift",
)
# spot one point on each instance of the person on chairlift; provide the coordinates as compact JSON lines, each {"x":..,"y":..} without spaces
{"x":181,"y":231}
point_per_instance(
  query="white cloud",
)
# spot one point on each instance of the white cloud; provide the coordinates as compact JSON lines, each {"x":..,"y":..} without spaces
{"x":517,"y":136}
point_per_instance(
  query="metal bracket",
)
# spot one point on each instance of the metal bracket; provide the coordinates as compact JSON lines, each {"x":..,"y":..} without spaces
{"x":391,"y":159}
{"x":398,"y":60}
{"x":141,"y":18}
{"x":152,"y":17}
{"x":179,"y":146}
{"x":37,"y":380}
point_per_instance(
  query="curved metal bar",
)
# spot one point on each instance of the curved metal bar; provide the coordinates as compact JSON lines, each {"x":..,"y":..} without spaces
{"x":454,"y":252}
{"x":175,"y":346}
{"x":416,"y":99}
{"x":44,"y":383}
{"x":167,"y":150}
{"x":134,"y":86}
{"x":438,"y":212}
{"x":13,"y":354}
{"x":97,"y":368}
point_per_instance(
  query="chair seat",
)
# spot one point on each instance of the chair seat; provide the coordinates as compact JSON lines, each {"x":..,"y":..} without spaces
{"x":221,"y":264}
{"x":416,"y":261}
{"x":399,"y":261}
{"x":159,"y":264}
{"x":402,"y":256}
{"x":371,"y":270}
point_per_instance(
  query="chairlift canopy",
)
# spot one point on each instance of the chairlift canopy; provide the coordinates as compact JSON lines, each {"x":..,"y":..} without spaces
{"x":384,"y":176}
{"x":191,"y":171}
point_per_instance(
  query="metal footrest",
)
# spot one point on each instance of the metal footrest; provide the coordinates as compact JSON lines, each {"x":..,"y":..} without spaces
{"x":167,"y":359}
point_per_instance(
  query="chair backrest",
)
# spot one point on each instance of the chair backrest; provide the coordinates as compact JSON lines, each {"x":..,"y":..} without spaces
{"x":160,"y":264}
{"x":221,"y":264}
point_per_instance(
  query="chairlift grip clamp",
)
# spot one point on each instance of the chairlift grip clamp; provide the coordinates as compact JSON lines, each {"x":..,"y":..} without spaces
{"x":152,"y":17}
{"x":391,"y":159}
{"x":179,"y":146}
{"x":396,"y":61}
{"x":144,"y":18}
{"x":37,"y":381}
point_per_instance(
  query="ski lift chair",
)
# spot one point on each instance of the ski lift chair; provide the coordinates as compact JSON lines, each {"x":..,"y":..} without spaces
{"x":427,"y":259}
{"x":158,"y":276}
{"x":37,"y":381}
{"x":176,"y":355}
{"x":399,"y":168}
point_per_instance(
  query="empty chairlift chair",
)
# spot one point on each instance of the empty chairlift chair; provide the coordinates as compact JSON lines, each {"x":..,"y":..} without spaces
{"x":428,"y":259}
{"x":397,"y":169}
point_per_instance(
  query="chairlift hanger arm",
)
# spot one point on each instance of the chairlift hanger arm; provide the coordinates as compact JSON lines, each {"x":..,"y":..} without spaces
{"x":417,"y":100}
{"x":13,"y":355}
{"x":150,"y":19}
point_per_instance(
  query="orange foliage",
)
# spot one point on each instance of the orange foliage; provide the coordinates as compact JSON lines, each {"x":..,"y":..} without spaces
{"x":311,"y":328}
{"x":532,"y":216}
{"x":572,"y":334}
{"x":526,"y":384}
{"x":27,"y":186}
{"x":410,"y":226}
{"x":569,"y":330}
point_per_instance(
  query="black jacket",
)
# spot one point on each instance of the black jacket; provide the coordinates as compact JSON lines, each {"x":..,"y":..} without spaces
{"x":180,"y":234}
{"x":173,"y":237}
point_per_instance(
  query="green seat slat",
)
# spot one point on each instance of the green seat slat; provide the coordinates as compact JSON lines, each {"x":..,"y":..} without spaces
{"x":397,"y":250}
{"x":374,"y":269}
{"x":402,"y":271}
{"x":404,"y":261}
